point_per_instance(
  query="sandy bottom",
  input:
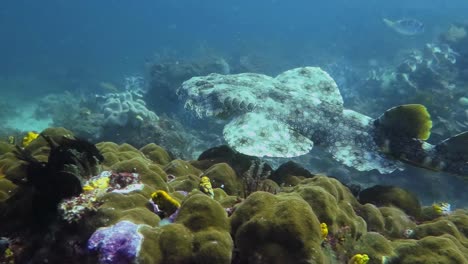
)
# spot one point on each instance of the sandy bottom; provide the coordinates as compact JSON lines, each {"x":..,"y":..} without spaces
{"x":25,"y":120}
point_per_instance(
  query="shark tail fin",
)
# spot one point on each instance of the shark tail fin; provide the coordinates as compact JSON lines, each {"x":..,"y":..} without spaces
{"x":405,"y":121}
{"x":401,"y":133}
{"x":453,"y":154}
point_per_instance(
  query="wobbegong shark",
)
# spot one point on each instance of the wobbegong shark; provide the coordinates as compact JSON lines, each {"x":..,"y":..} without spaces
{"x":286,"y":115}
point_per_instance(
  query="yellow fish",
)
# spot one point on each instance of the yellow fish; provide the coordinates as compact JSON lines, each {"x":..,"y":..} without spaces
{"x":12,"y":140}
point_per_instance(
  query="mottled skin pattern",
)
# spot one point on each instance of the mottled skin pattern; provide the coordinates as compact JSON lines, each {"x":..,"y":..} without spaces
{"x":299,"y":106}
{"x":441,"y":157}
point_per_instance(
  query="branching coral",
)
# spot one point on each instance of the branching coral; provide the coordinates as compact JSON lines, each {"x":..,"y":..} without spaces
{"x":254,"y":178}
{"x":125,"y":109}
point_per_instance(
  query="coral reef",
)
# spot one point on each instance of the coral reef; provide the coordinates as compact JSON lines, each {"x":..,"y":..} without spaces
{"x":167,"y":76}
{"x":66,"y":111}
{"x":125,"y":109}
{"x":433,"y":75}
{"x":98,"y":117}
{"x":313,"y":219}
{"x":391,"y":196}
{"x":119,"y":243}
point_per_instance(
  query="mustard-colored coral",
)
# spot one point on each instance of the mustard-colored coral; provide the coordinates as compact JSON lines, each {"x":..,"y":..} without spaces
{"x":100,"y":183}
{"x":9,"y":256}
{"x":359,"y":259}
{"x":205,"y":186}
{"x":324,"y":230}
{"x":30,"y":137}
{"x":165,"y":202}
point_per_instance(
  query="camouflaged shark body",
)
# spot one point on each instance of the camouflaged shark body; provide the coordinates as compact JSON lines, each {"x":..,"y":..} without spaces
{"x":286,"y":115}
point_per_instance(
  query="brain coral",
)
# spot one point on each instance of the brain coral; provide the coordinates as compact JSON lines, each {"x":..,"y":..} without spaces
{"x":262,"y":228}
{"x":278,"y":229}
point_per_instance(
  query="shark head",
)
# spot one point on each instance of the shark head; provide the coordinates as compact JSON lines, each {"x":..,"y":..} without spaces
{"x":221,"y":96}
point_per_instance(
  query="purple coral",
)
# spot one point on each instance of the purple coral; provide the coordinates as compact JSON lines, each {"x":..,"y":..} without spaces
{"x":120,"y":180}
{"x":117,"y":244}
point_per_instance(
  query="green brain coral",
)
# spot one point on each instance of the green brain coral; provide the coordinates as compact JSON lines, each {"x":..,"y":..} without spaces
{"x":276,"y":229}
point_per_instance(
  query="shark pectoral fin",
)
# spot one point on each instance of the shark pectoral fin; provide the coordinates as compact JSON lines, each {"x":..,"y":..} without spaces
{"x":315,"y":84}
{"x":453,"y":154}
{"x":407,"y":121}
{"x":256,"y":134}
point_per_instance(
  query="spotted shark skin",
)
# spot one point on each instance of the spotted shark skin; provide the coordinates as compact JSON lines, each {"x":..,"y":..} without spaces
{"x":286,"y":115}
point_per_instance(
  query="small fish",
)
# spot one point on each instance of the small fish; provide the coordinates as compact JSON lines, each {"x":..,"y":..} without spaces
{"x":12,"y":140}
{"x":139,"y":118}
{"x":109,"y":87}
{"x":408,"y":27}
{"x":442,"y":208}
{"x":205,"y":186}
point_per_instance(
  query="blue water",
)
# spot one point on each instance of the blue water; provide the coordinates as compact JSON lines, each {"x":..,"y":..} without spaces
{"x":90,"y":40}
{"x":55,"y":45}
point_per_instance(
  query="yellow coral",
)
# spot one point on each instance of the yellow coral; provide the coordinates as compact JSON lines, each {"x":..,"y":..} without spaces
{"x":205,"y":186}
{"x":30,"y":137}
{"x":165,"y":202}
{"x":359,"y":259}
{"x":100,"y":183}
{"x":324,"y":230}
{"x":8,"y":256}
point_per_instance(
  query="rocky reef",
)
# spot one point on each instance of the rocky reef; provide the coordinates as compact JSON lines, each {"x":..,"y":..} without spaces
{"x":166,"y":76}
{"x":143,"y":206}
{"x":118,"y":115}
{"x":433,"y":75}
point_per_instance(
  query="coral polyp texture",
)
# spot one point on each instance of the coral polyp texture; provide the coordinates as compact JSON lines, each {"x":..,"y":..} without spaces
{"x":142,"y":206}
{"x":126,"y":109}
